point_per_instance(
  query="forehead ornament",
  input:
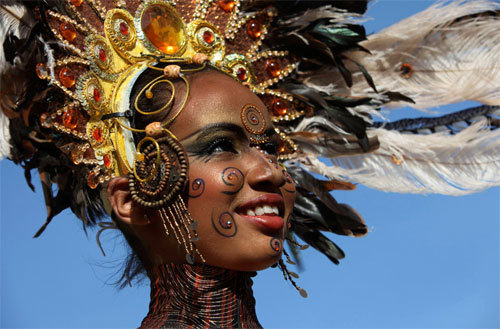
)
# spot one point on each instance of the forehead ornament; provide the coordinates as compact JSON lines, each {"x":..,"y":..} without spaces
{"x":255,"y":123}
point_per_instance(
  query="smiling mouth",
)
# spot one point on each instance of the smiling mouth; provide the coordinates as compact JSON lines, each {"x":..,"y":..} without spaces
{"x":266,"y":211}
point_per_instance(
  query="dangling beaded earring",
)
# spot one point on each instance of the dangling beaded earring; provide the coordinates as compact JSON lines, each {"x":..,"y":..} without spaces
{"x":289,"y":275}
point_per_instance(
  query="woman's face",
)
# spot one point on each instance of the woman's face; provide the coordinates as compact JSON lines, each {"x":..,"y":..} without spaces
{"x":238,"y":192}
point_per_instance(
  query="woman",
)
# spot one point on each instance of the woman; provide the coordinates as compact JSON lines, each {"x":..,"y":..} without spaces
{"x":172,"y":128}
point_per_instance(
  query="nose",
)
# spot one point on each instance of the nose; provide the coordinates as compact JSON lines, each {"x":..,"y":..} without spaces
{"x":264,"y":174}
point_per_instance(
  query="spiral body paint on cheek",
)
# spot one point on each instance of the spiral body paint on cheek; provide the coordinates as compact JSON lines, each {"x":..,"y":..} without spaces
{"x":224,"y":224}
{"x":234,"y":178}
{"x":197,"y":188}
{"x":276,"y":244}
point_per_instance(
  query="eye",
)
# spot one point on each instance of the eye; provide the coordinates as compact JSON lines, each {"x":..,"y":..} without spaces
{"x":221,"y":145}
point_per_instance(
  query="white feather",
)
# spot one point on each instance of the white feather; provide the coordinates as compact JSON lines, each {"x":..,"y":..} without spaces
{"x":452,"y":62}
{"x":10,"y":24}
{"x":458,"y":164}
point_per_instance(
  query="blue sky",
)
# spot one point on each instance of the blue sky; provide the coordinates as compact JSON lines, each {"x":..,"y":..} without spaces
{"x":428,"y":262}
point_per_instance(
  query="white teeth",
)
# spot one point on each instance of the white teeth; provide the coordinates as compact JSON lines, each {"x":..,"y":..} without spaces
{"x":263,"y":210}
{"x":268,"y":210}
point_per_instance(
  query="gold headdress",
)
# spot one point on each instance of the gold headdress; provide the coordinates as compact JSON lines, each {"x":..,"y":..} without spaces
{"x":112,"y":43}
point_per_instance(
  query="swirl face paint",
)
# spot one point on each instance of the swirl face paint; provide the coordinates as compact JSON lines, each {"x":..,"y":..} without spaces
{"x":197,"y":188}
{"x":276,"y":244}
{"x":233,"y":177}
{"x":224,"y":224}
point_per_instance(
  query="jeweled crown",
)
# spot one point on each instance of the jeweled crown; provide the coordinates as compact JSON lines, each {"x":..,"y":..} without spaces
{"x":112,"y":42}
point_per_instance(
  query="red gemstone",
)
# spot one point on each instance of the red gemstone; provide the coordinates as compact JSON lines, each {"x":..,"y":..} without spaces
{"x":273,"y":68}
{"x":107,"y":161}
{"x":97,"y":95}
{"x":97,"y":135}
{"x":124,"y":28}
{"x":254,"y":29}
{"x":76,"y":3}
{"x":102,"y":55}
{"x":68,"y":32}
{"x":208,"y":37}
{"x":92,"y":180}
{"x":241,"y":73}
{"x":67,"y":77}
{"x":69,"y":119}
{"x":226,"y":5}
{"x":279,"y":106}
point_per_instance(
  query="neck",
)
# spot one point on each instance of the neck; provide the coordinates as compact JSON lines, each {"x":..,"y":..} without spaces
{"x":200,"y":296}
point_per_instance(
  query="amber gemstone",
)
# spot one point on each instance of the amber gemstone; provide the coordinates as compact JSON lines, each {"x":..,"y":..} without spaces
{"x":41,"y":71}
{"x":76,"y":3}
{"x":67,"y":77}
{"x":97,"y":135}
{"x":102,"y":55}
{"x":97,"y":95}
{"x":241,"y":73}
{"x":254,"y":28}
{"x":92,"y":180}
{"x":67,"y":31}
{"x":163,"y":28}
{"x":208,"y":37}
{"x":279,"y":106}
{"x":124,"y":28}
{"x":281,"y":147}
{"x":76,"y":156}
{"x":69,"y":119}
{"x":107,"y":161}
{"x":273,"y":68}
{"x":226,"y":5}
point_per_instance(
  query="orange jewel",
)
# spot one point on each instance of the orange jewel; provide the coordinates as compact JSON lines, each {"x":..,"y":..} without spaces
{"x":163,"y":29}
{"x":76,"y":3}
{"x":226,"y":5}
{"x":273,"y":68}
{"x":67,"y":77}
{"x":41,"y":71}
{"x":107,"y":161}
{"x":92,"y":180}
{"x":279,"y":107}
{"x":67,"y":31}
{"x":208,"y":37}
{"x":97,"y":135}
{"x":254,"y":29}
{"x":69,"y":119}
{"x":241,"y":73}
{"x":281,"y":147}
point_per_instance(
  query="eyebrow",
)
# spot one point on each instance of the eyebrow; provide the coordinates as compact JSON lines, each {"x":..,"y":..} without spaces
{"x":225,"y":126}
{"x":216,"y":127}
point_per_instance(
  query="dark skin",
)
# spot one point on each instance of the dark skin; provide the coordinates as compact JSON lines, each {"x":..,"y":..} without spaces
{"x":228,"y":176}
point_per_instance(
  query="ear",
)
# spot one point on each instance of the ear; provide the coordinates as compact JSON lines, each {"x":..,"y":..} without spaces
{"x":122,"y":203}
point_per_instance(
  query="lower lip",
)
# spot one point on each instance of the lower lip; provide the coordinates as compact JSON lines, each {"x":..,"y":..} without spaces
{"x":274,"y":223}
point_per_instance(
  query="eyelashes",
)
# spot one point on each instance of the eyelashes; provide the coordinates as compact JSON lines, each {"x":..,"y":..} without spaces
{"x":207,"y":150}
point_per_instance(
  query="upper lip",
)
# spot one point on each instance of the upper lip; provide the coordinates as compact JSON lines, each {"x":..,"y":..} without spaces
{"x":266,"y":199}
